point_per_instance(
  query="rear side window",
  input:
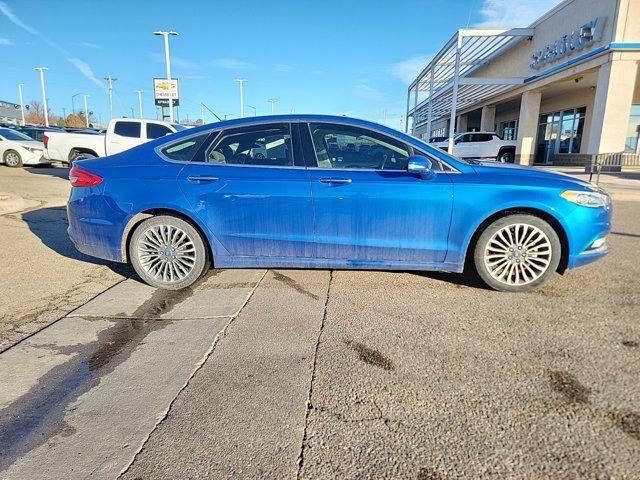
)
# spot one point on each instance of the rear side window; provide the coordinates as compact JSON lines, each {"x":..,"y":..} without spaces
{"x":265,"y":145}
{"x":481,"y":137}
{"x":185,"y":150}
{"x":127,"y":129}
{"x":155,"y":130}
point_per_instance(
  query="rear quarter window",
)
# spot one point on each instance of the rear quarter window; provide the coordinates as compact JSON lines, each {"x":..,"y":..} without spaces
{"x":185,"y":150}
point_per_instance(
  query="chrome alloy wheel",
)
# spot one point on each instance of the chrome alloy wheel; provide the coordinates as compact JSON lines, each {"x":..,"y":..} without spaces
{"x":12,"y":159}
{"x":518,"y":254}
{"x":166,"y":253}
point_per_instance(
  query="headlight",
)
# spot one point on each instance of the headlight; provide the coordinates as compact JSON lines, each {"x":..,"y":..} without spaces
{"x":587,"y":199}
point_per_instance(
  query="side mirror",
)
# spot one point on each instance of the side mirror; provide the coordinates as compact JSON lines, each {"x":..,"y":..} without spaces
{"x":420,"y":166}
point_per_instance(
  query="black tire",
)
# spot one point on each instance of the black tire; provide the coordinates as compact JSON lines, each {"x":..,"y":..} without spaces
{"x":530,"y":258}
{"x":506,"y":156}
{"x":82,"y":156}
{"x":12,"y":159}
{"x":152,"y":275}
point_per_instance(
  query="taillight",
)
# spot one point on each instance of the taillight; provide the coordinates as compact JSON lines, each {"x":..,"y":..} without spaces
{"x":81,"y":178}
{"x":45,"y":140}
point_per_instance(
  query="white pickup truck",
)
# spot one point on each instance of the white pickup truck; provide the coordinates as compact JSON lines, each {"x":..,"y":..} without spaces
{"x":481,"y":145}
{"x":122,"y":134}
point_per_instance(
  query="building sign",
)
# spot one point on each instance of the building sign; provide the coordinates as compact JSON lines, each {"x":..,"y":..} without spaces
{"x":164,"y":89}
{"x":577,"y":40}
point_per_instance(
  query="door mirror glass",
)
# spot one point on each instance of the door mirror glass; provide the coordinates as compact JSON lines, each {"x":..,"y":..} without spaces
{"x":421,"y":166}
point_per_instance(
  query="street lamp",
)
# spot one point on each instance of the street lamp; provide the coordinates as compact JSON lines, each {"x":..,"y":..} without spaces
{"x":20,"y":85}
{"x":139,"y":92}
{"x":110,"y":79}
{"x":166,"y":55}
{"x":241,"y":82}
{"x":44,"y":95}
{"x":255,"y":114}
{"x":86,"y":110}
{"x":273,"y":106}
{"x":73,"y":106}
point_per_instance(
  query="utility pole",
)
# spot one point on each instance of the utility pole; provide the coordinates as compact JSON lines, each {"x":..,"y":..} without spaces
{"x":202,"y":112}
{"x":86,"y":110}
{"x":110,"y":79}
{"x":44,"y":95}
{"x":241,"y":82}
{"x":64,"y":114}
{"x":140,"y":101}
{"x":73,"y":105}
{"x":166,"y":56}
{"x":20,"y":85}
{"x":273,"y":106}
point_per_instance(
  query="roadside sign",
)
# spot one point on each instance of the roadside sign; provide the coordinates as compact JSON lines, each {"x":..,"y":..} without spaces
{"x":164,"y":89}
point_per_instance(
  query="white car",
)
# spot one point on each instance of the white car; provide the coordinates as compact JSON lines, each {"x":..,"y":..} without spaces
{"x":16,"y":149}
{"x":122,"y":134}
{"x":486,"y":145}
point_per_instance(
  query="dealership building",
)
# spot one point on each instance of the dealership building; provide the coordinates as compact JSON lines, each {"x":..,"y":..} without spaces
{"x":566,"y":88}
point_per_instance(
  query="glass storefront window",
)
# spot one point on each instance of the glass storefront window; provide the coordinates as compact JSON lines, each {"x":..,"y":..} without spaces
{"x":632,"y":143}
{"x":559,"y":132}
{"x":509,"y":130}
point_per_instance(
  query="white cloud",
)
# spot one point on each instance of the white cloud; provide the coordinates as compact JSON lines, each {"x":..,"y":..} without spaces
{"x":5,"y":41}
{"x":510,"y":13}
{"x":82,"y":67}
{"x":366,"y":91}
{"x":87,"y":45}
{"x":232,"y":64}
{"x":407,"y":70}
{"x":283,"y":67}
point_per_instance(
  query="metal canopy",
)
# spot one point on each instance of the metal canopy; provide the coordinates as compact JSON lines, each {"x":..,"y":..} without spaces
{"x":448,"y":79}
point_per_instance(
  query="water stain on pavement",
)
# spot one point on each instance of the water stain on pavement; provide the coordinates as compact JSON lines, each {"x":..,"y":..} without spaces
{"x":569,"y":387}
{"x":39,"y":414}
{"x":628,"y":422}
{"x":630,"y":343}
{"x":290,"y":282}
{"x":428,"y":474}
{"x":370,"y":356}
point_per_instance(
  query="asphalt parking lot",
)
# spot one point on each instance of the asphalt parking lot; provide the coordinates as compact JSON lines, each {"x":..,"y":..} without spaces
{"x":309,"y":374}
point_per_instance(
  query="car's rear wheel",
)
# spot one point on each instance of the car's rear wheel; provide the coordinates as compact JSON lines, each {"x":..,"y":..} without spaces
{"x":517,"y":253}
{"x":12,"y":159}
{"x":82,"y":156}
{"x":168,"y":252}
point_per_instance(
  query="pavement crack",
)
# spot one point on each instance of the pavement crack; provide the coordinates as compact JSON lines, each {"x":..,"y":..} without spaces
{"x":313,"y":377}
{"x":164,"y":414}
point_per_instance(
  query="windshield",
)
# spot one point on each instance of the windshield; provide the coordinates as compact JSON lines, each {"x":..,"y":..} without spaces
{"x":178,"y":127}
{"x":9,"y":134}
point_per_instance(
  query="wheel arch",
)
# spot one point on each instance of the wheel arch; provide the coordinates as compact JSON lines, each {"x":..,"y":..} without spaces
{"x":76,"y":150}
{"x":154,"y":212}
{"x":546,"y":216}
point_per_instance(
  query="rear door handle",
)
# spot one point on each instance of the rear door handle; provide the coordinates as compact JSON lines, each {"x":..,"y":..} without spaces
{"x":338,"y":181}
{"x":203,"y":178}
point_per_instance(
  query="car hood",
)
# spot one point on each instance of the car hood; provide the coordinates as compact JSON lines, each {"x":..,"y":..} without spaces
{"x":507,"y":172}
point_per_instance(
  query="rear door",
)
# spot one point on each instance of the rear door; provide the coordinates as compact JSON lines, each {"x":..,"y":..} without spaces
{"x":367,"y":207}
{"x":155,"y":130}
{"x":252,"y":190}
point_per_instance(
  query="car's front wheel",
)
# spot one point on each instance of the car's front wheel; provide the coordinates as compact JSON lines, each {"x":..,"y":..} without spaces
{"x":12,"y":159}
{"x":517,"y":253}
{"x":168,"y":252}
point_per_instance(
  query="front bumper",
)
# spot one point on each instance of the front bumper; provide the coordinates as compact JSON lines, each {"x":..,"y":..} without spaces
{"x":34,"y":158}
{"x":588,"y":226}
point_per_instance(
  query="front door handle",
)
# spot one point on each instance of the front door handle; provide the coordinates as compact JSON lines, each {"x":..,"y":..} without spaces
{"x":203,"y":178}
{"x":338,"y":181}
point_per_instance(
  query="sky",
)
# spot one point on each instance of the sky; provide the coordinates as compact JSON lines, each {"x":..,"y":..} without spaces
{"x":343,"y":57}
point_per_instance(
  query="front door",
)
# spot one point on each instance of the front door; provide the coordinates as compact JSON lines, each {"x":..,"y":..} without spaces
{"x":251,"y":193}
{"x":367,"y":207}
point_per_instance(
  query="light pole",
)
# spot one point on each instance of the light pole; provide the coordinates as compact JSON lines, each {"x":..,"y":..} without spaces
{"x":44,"y":95}
{"x":202,"y":112}
{"x":140,"y":101}
{"x":166,"y":55}
{"x":73,"y":106}
{"x":273,"y":106}
{"x":255,"y":111}
{"x":241,"y":82}
{"x":20,"y":85}
{"x":86,"y":110}
{"x":110,"y":79}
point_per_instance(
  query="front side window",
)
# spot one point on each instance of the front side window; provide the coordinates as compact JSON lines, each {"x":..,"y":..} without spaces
{"x":263,"y":145}
{"x":156,"y":130}
{"x":344,"y":146}
{"x":127,"y":129}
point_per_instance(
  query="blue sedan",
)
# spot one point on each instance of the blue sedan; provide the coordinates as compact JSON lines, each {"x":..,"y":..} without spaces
{"x":313,"y":191}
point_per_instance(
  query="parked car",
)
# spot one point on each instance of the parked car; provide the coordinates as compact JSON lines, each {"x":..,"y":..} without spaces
{"x":121,"y":135}
{"x":480,"y":145}
{"x":37,"y":133}
{"x":17,"y":149}
{"x":173,"y":206}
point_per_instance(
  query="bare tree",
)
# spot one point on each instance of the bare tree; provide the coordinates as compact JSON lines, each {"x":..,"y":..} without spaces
{"x":35,"y":114}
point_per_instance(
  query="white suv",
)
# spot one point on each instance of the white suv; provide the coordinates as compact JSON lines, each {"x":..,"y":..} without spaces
{"x":487,"y":145}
